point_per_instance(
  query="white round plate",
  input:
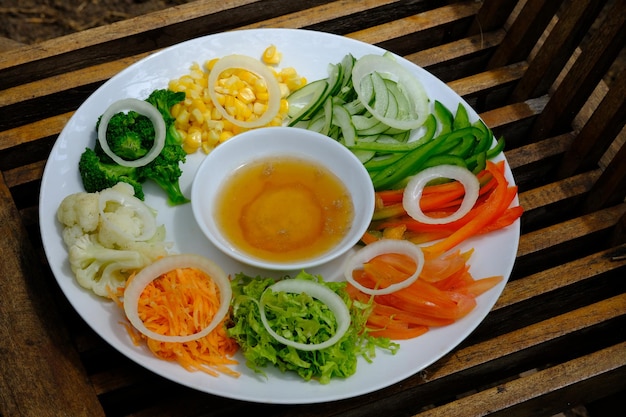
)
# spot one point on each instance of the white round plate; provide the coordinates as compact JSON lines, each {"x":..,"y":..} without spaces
{"x":309,"y":53}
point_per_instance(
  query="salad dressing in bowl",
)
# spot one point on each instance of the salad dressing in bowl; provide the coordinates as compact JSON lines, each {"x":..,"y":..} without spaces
{"x":284,"y":209}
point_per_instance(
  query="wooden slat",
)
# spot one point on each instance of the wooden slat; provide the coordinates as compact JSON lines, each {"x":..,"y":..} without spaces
{"x":555,"y":278}
{"x":584,"y":75}
{"x":545,"y":392}
{"x":488,"y":80}
{"x":492,"y":15}
{"x":611,"y":186}
{"x":554,"y":53}
{"x":524,"y":33}
{"x":136,"y":36}
{"x":319,"y":14}
{"x":37,"y":356}
{"x":562,"y":233}
{"x":599,"y":132}
{"x":417,"y":23}
{"x":457,"y":49}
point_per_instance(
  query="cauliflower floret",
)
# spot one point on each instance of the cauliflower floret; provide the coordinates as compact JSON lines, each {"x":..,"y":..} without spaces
{"x":102,"y":251}
{"x":80,"y":209}
{"x":119,"y":225}
{"x":98,"y":268}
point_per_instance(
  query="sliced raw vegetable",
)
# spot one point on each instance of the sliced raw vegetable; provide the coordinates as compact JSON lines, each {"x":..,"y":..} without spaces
{"x":320,"y":292}
{"x":381,"y":247}
{"x":139,"y":282}
{"x":444,"y":292}
{"x":141,"y":107}
{"x":493,"y":210}
{"x":257,"y":67}
{"x":302,"y":318}
{"x":379,"y":110}
{"x":409,"y":85}
{"x":415,"y":188}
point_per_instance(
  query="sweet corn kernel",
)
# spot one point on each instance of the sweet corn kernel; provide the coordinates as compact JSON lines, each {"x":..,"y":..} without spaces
{"x":242,"y":93}
{"x":246,"y":95}
{"x":225,"y":135}
{"x":271,"y":55}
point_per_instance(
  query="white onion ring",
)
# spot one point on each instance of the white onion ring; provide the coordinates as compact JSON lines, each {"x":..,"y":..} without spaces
{"x":169,"y":263}
{"x":257,"y":67}
{"x":414,"y":189}
{"x":141,"y":107}
{"x":382,"y":247}
{"x":406,"y":80}
{"x":148,"y":221}
{"x":320,"y":292}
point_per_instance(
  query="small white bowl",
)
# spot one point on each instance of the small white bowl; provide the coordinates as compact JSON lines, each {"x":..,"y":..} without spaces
{"x":280,"y":142}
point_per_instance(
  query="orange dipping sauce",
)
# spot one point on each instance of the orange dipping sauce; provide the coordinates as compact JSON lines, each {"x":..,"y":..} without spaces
{"x":284,"y":209}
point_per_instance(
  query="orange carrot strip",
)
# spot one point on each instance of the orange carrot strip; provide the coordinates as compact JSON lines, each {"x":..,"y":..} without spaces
{"x":488,"y":211}
{"x":480,"y":286}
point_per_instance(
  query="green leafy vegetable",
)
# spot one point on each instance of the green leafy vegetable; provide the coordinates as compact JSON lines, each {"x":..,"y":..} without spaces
{"x":303,"y":319}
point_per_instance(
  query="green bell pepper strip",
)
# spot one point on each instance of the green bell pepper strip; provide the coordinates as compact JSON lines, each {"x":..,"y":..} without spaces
{"x":461,"y":118}
{"x":486,"y":139}
{"x":465,"y":148}
{"x":444,"y":117}
{"x":376,"y":164}
{"x":444,"y":159}
{"x":412,"y":161}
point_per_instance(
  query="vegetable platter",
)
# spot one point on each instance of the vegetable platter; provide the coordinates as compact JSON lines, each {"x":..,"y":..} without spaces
{"x":494,"y":253}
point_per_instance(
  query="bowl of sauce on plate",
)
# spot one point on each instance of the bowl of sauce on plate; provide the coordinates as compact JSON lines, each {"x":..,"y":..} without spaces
{"x":282,"y":198}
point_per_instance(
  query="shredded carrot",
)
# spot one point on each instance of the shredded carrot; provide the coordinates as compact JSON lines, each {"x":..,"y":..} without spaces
{"x":179,"y":303}
{"x":444,"y":292}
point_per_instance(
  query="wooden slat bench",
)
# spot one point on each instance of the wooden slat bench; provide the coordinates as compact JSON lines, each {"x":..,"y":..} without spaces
{"x":548,"y":75}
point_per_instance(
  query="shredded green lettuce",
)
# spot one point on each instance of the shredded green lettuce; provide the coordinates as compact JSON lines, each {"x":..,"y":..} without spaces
{"x":303,"y":319}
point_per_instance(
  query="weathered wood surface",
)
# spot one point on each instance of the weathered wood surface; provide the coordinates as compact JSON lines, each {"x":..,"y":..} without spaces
{"x":556,"y":336}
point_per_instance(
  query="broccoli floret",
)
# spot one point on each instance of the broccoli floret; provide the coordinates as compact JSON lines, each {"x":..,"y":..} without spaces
{"x":129,"y":135}
{"x":97,"y":174}
{"x":165,"y":171}
{"x":163,"y":100}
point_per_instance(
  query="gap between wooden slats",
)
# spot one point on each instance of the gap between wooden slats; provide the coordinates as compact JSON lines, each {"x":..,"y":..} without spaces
{"x":530,"y":395}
